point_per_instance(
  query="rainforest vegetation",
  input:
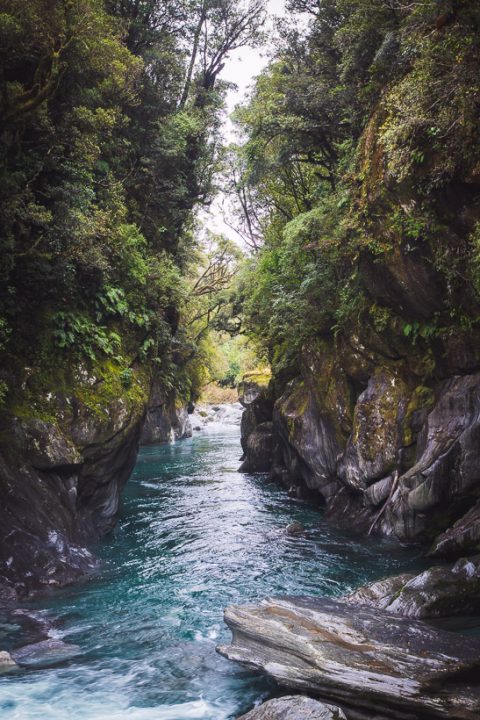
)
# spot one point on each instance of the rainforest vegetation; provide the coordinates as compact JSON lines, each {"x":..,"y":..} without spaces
{"x":350,"y":294}
{"x":360,"y":140}
{"x":109,"y":124}
{"x":366,"y":115}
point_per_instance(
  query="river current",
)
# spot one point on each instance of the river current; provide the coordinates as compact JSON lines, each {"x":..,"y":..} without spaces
{"x":194,"y":535}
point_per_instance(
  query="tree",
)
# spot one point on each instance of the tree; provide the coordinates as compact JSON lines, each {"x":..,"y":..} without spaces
{"x":218,"y":27}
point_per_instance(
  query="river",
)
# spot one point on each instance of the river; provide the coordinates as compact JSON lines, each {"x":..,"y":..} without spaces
{"x":194,"y":536}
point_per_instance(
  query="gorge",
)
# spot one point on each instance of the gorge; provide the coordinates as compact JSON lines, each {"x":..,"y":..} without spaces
{"x":346,"y":302}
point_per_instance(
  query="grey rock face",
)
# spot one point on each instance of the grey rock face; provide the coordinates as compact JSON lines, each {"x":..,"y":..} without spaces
{"x":370,"y":662}
{"x":437,"y":592}
{"x":381,"y":593}
{"x":60,"y":489}
{"x":258,"y":412}
{"x":165,"y":420}
{"x":294,"y":707}
{"x":462,"y":538}
{"x":446,"y":473}
{"x":400,"y":459}
{"x":248,"y":391}
{"x":260,"y":447}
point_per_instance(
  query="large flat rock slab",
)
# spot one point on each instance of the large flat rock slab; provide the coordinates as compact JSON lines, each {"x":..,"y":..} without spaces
{"x":359,"y":657}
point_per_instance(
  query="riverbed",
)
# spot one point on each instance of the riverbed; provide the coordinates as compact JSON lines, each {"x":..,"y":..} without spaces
{"x":194,"y":536}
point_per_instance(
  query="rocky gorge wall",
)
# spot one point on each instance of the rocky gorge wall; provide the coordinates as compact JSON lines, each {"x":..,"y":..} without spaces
{"x":380,"y":419}
{"x":399,"y":457}
{"x":167,"y":419}
{"x":67,"y":448}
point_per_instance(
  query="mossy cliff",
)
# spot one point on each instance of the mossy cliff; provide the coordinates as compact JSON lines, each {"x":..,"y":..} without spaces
{"x":69,"y":440}
{"x":373,"y":288}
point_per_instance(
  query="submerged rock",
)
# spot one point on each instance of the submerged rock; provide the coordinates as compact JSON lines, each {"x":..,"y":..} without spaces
{"x":436,"y":592}
{"x":294,"y":707}
{"x":369,"y":661}
{"x":295,"y":528}
{"x":45,"y":653}
{"x":6,"y":662}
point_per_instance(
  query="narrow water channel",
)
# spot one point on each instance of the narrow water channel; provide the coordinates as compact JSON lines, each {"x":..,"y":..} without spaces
{"x":194,"y":536}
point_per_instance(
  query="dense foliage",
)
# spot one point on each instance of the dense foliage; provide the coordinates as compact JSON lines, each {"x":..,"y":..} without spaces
{"x":109,"y":112}
{"x":361,"y":157}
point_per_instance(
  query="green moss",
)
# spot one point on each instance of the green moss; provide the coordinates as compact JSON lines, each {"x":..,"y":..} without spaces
{"x":109,"y":387}
{"x":421,"y":398}
{"x":53,"y":394}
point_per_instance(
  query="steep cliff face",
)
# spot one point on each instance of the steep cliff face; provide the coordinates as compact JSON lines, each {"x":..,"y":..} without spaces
{"x":400,"y":458}
{"x":166,"y":419}
{"x":387,"y":434}
{"x":380,"y":411}
{"x":65,"y":456}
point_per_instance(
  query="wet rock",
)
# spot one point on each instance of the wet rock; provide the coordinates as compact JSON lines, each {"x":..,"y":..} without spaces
{"x":257,"y":412}
{"x":372,"y":451}
{"x":444,"y":477}
{"x":379,"y":491}
{"x":379,"y":594}
{"x":62,"y":481}
{"x":463,"y":538}
{"x":45,"y":653}
{"x":294,"y":707}
{"x":309,"y":438}
{"x":368,"y":661}
{"x":222,"y":414}
{"x":436,"y":592}
{"x":295,"y":528}
{"x":7,"y":663}
{"x":166,"y":419}
{"x":251,"y":386}
{"x":8,"y":595}
{"x":402,"y":460}
{"x":260,"y":448}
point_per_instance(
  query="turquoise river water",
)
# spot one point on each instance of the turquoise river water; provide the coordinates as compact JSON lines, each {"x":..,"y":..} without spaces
{"x":194,"y":536}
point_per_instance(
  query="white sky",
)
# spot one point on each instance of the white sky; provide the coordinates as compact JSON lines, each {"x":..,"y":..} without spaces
{"x":241,"y":68}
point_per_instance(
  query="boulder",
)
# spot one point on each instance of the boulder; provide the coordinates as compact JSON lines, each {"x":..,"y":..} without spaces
{"x":436,"y":592}
{"x":294,"y":707}
{"x":251,"y":385}
{"x":257,"y":412}
{"x":381,"y":593}
{"x":462,"y":538}
{"x":7,"y":663}
{"x":295,"y":528}
{"x":45,"y":653}
{"x":370,"y":662}
{"x":260,"y":448}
